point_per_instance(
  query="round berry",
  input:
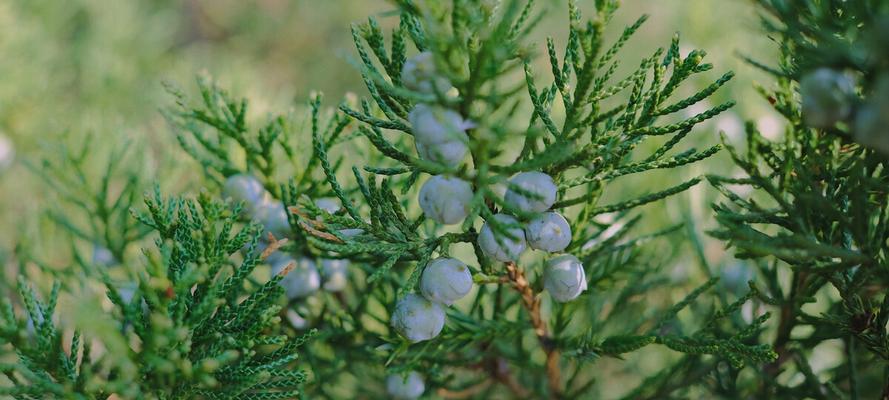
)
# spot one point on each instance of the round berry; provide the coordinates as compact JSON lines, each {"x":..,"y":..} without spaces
{"x":335,"y":273}
{"x":439,"y":134}
{"x":872,"y":120}
{"x":548,"y":231}
{"x":302,"y":280}
{"x":537,"y":183}
{"x":735,"y":276}
{"x":445,"y":280}
{"x":500,"y":246}
{"x":564,"y":278}
{"x":273,"y":217}
{"x":436,"y":124}
{"x":446,"y":200}
{"x":417,"y":319}
{"x":296,"y":321}
{"x":244,"y":188}
{"x":408,"y":387}
{"x":329,"y":204}
{"x":420,"y":74}
{"x":827,"y":97}
{"x":102,"y":256}
{"x":351,"y":232}
{"x":450,"y":154}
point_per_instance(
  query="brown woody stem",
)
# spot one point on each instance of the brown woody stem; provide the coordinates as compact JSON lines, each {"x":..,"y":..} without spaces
{"x":532,"y":303}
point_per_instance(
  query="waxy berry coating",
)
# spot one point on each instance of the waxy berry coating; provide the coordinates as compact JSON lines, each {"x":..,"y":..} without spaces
{"x":244,"y":188}
{"x":446,"y":200}
{"x":439,"y":134}
{"x":302,"y":280}
{"x":538,"y":183}
{"x":564,"y":278}
{"x":420,"y":74}
{"x":500,"y":246}
{"x":548,"y":231}
{"x":417,"y":319}
{"x":335,"y":273}
{"x":445,"y":280}
{"x":273,"y":217}
{"x":827,"y":96}
{"x":405,"y":388}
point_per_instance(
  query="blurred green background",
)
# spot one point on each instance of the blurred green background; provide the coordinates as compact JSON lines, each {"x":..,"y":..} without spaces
{"x":95,"y":67}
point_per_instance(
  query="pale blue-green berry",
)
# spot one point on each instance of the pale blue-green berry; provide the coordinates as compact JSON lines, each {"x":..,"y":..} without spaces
{"x":537,"y":183}
{"x":7,"y":152}
{"x":329,"y":204}
{"x":420,"y":74}
{"x":102,"y":256}
{"x":408,"y":387}
{"x":439,"y":134}
{"x":302,"y":280}
{"x":564,"y":278}
{"x":296,"y":320}
{"x":437,"y":124}
{"x":335,"y":273}
{"x":445,"y":280}
{"x":548,"y":231}
{"x":500,"y":246}
{"x":417,"y":319}
{"x":827,"y":97}
{"x":446,"y":200}
{"x":127,"y":291}
{"x":351,"y":232}
{"x":244,"y":188}
{"x":332,"y":206}
{"x":872,"y":119}
{"x":735,"y":276}
{"x":449,"y":154}
{"x":273,"y":217}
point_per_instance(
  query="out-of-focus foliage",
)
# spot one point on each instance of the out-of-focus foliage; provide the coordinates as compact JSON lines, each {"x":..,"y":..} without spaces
{"x":818,"y":223}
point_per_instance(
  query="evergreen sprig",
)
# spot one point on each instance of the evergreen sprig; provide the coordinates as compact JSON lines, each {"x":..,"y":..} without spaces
{"x":821,"y":209}
{"x":200,"y":321}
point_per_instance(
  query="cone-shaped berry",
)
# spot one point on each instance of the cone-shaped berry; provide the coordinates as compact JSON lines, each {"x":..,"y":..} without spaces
{"x":564,"y":278}
{"x":548,"y":231}
{"x":500,"y":246}
{"x":445,"y":280}
{"x":537,"y":183}
{"x":418,"y":319}
{"x":446,"y":200}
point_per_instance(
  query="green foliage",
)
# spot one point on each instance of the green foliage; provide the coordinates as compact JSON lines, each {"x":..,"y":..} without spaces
{"x":480,"y":49}
{"x":818,"y":224}
{"x":199,"y":320}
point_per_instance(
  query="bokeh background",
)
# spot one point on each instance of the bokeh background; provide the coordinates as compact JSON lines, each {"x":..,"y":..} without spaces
{"x":94,"y":68}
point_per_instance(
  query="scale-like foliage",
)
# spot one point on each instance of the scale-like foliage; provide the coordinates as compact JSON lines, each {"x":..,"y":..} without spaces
{"x":480,"y":51}
{"x":195,"y":326}
{"x":818,"y":225}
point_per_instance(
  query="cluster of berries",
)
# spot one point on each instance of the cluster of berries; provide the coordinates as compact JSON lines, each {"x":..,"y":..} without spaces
{"x":440,"y":137}
{"x":829,"y":97}
{"x":305,"y":278}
